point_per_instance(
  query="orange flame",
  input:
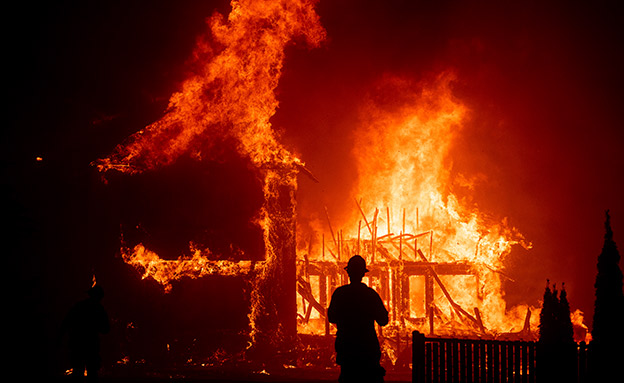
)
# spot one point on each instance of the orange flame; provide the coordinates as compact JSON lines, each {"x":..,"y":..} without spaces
{"x":402,"y":149}
{"x":164,"y":271}
{"x":231,"y":96}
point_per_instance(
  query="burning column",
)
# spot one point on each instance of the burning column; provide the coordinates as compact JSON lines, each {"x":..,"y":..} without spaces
{"x":273,"y":312}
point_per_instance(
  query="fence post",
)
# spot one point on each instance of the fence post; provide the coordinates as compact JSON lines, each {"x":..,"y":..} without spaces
{"x":418,"y":357}
{"x":582,"y":362}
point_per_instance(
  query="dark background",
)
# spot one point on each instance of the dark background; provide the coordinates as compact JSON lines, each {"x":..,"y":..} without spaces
{"x":543,"y":83}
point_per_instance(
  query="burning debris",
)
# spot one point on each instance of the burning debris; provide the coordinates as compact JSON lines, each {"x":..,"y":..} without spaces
{"x":439,"y":267}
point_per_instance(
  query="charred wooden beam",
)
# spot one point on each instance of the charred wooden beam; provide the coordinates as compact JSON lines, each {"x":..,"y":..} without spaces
{"x":460,"y":311}
{"x":305,"y":290}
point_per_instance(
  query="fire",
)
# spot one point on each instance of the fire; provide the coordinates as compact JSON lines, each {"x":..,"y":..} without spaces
{"x":433,"y":254}
{"x":231,"y":97}
{"x":164,"y":271}
{"x":407,"y":217}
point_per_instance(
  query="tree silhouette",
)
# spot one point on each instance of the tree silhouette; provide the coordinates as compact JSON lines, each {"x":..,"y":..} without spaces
{"x":609,"y":304}
{"x":556,"y":341}
{"x":564,"y":322}
{"x":607,"y":352}
{"x":547,"y":326}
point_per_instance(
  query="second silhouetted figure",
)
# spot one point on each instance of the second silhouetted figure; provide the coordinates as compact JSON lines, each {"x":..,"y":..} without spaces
{"x":355,"y":308}
{"x":84,"y":322}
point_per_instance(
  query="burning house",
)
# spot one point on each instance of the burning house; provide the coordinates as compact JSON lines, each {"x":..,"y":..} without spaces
{"x":435,"y":259}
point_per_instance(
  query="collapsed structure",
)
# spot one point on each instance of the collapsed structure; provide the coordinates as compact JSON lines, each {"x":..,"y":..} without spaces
{"x":405,"y":278}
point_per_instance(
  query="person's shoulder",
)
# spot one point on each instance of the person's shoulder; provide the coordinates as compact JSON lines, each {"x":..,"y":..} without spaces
{"x":341,"y":289}
{"x":371,"y":291}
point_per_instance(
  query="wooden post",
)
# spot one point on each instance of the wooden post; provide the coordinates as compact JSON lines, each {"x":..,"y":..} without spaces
{"x":340,"y":245}
{"x":449,"y":361}
{"x":436,"y":362}
{"x":482,"y":358}
{"x":358,"y":240}
{"x":401,"y":246}
{"x":479,"y":321}
{"x":428,"y":361}
{"x":416,"y":238}
{"x":463,"y":360}
{"x":431,"y":246}
{"x":582,"y":361}
{"x":470,"y":363}
{"x":418,"y":357}
{"x":323,"y":299}
{"x":490,"y":361}
{"x":331,"y":230}
{"x":510,"y":362}
{"x":476,"y":359}
{"x":402,"y":232}
{"x":503,"y":361}
{"x":430,"y":309}
{"x":370,"y":230}
{"x":388,"y":218}
{"x":525,"y":361}
{"x":532,"y":362}
{"x":442,"y":361}
{"x":374,"y":239}
{"x":393,"y":296}
{"x":455,"y":353}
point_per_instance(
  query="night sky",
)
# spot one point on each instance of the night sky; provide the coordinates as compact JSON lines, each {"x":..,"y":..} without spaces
{"x":543,"y":83}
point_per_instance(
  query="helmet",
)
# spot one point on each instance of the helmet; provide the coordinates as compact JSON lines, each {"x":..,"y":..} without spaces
{"x":356,"y":263}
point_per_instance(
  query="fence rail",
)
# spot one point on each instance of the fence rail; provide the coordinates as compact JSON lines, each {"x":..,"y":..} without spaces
{"x":494,"y":361}
{"x":467,"y":360}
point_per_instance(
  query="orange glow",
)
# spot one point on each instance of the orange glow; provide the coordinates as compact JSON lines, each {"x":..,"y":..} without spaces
{"x":233,"y":93}
{"x":164,"y":271}
{"x":231,"y":97}
{"x":404,"y":202}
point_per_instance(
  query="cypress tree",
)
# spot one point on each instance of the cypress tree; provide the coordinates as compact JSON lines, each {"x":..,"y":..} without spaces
{"x":606,"y":352}
{"x":564,"y":325}
{"x":547,"y":326}
{"x":608,"y":323}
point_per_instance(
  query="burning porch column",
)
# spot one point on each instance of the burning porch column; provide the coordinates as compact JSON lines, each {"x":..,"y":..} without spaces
{"x":273,"y":315}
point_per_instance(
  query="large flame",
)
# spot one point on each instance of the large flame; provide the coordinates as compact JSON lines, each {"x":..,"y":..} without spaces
{"x":232,"y":94}
{"x":402,"y":149}
{"x":405,"y":190}
{"x":231,"y":98}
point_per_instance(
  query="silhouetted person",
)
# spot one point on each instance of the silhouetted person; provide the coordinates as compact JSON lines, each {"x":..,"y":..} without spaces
{"x":355,"y":308}
{"x":84,"y":324}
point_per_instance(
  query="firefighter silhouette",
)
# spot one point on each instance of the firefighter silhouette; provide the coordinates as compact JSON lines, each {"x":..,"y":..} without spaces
{"x":84,"y":323}
{"x":355,"y":308}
